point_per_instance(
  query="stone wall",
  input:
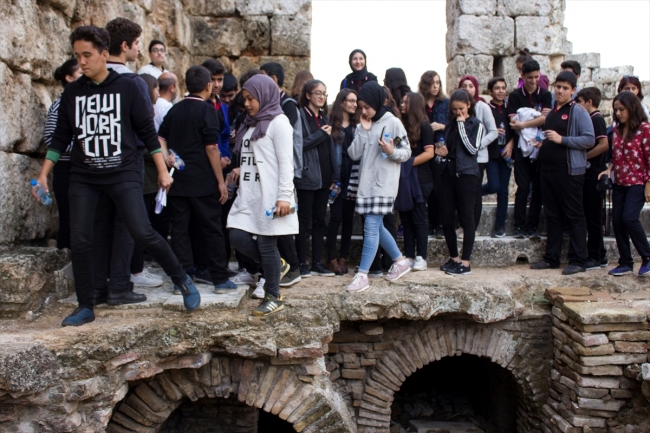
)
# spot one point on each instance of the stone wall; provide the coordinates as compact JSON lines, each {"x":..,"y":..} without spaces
{"x":34,"y":42}
{"x":484,"y":37}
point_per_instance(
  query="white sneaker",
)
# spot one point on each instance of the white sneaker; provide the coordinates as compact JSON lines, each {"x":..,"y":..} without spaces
{"x":145,"y":279}
{"x":259,"y":292}
{"x":245,"y":278}
{"x":410,"y":262}
{"x":419,"y":264}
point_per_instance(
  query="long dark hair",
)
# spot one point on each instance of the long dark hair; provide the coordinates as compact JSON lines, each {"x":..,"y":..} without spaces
{"x":308,"y":88}
{"x":629,"y":79}
{"x":67,"y":68}
{"x":462,"y":95}
{"x":152,"y":83}
{"x":395,"y":80}
{"x":424,"y":87}
{"x":633,"y":106}
{"x":392,"y":103}
{"x":299,"y":82}
{"x":414,"y":117}
{"x":336,"y":115}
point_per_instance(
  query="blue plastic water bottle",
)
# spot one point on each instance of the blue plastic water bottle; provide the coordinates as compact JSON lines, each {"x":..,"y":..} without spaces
{"x":334,"y":192}
{"x":271,"y":212}
{"x":387,"y":140}
{"x":41,"y":193}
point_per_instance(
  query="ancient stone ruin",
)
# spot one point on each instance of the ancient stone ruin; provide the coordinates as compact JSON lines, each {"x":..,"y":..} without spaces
{"x":504,"y":350}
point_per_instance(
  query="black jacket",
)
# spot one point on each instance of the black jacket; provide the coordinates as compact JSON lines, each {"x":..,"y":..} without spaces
{"x":103,"y":119}
{"x":311,"y":173}
{"x":470,"y":132}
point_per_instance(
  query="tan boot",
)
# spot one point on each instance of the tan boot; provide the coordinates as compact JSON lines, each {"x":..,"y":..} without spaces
{"x":343,"y":266}
{"x":334,"y":267}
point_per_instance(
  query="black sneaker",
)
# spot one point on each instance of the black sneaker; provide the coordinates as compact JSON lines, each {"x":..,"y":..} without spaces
{"x":459,"y":269}
{"x":202,"y":276}
{"x":519,"y":234}
{"x":604,"y":262}
{"x":533,"y":235}
{"x":573,"y":269}
{"x":270,"y":304}
{"x":320,"y":270}
{"x":499,"y":232}
{"x":122,"y":298}
{"x":304,"y":270}
{"x":592,"y":264}
{"x":450,"y":264}
{"x":543,"y":265}
{"x":100,"y":296}
{"x":291,"y":278}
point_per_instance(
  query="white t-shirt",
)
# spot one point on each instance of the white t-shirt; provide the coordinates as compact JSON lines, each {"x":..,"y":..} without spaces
{"x":266,"y":176}
{"x":151,"y":70}
{"x":160,"y":109}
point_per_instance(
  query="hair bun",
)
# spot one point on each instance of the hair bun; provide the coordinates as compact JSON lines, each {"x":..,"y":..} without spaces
{"x":58,"y":74}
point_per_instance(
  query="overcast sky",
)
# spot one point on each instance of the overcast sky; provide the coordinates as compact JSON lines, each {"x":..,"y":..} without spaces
{"x":411,"y":35}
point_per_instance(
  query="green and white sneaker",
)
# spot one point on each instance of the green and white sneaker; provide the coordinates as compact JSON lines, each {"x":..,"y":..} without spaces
{"x":270,"y":304}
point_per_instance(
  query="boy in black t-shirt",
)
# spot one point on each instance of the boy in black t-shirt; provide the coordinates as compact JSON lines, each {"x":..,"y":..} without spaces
{"x":532,"y":96}
{"x":594,"y":200}
{"x":562,"y":167}
{"x":191,"y":128}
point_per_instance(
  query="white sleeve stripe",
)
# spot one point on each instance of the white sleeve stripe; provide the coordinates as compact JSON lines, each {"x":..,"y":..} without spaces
{"x":463,"y":135}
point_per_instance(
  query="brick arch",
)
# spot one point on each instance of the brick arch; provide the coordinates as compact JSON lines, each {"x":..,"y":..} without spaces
{"x":274,"y":389}
{"x":434,"y":343}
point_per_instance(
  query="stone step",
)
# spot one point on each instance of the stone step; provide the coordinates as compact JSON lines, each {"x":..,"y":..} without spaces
{"x":488,"y":217}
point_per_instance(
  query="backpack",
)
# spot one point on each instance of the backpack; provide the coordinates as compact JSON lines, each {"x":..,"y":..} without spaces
{"x":297,"y":141}
{"x":610,"y":138}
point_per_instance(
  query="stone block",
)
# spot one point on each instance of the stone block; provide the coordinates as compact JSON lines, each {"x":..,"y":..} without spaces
{"x":611,"y":75}
{"x":487,"y":35}
{"x":515,"y":8}
{"x":586,"y":60}
{"x":221,"y":8}
{"x":630,"y":336}
{"x":314,"y":350}
{"x":597,"y":382}
{"x":630,"y":347}
{"x":478,"y":7}
{"x":605,"y":349}
{"x":540,"y":36}
{"x":291,"y":36}
{"x":602,"y":312}
{"x":597,"y":404}
{"x":291,"y":65}
{"x":618,"y":359}
{"x":606,"y":327}
{"x":645,"y":371}
{"x":479,"y":66}
{"x":258,"y":33}
{"x":601,"y":370}
{"x":552,"y":293}
{"x":27,"y":276}
{"x":357,"y":373}
{"x":218,"y":37}
{"x":271,"y":7}
{"x":621,"y":393}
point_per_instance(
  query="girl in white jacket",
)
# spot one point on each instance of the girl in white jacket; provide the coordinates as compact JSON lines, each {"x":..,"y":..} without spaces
{"x":265,"y":142}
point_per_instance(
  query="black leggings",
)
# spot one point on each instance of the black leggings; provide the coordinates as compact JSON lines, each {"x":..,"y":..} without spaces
{"x":415,"y":226}
{"x":312,"y":206}
{"x":60,"y":183}
{"x":341,"y":211}
{"x":458,"y":194}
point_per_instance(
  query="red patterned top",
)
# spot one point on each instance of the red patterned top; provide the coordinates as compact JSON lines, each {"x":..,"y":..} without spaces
{"x":631,"y":157}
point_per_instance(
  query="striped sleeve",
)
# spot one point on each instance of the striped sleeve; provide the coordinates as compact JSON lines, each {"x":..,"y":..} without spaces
{"x":472,"y":148}
{"x":50,"y":123}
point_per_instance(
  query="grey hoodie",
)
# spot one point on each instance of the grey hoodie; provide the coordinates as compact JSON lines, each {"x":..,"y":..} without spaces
{"x":581,"y":137}
{"x":379,"y":176}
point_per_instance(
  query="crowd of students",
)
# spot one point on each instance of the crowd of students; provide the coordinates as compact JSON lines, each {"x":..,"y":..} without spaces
{"x":262,"y":166}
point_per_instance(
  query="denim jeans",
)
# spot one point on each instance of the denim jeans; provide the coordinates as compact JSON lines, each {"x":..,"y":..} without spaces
{"x":127,"y":197}
{"x":262,"y":250}
{"x":503,"y":173}
{"x":375,"y":234}
{"x":627,"y":202}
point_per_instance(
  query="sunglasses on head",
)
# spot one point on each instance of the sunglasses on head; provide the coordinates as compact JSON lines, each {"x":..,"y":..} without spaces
{"x":627,"y":77}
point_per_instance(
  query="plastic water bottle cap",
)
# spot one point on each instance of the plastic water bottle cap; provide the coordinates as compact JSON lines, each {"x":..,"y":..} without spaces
{"x":269,"y":212}
{"x":33,"y":182}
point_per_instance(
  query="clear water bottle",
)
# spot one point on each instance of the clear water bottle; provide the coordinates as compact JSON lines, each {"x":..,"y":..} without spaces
{"x":502,"y":136}
{"x":334,"y":192}
{"x":541,"y":136}
{"x":179,"y":164}
{"x":271,"y":212}
{"x":387,"y":140}
{"x":41,"y":193}
{"x":231,"y":185}
{"x":439,"y":145}
{"x":509,"y":161}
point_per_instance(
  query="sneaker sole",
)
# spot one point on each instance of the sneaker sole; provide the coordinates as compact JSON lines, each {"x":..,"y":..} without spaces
{"x":237,"y":282}
{"x":621,"y":274}
{"x":317,"y":274}
{"x":399,"y":276}
{"x":148,"y":285}
{"x":457,"y":275}
{"x":224,"y":291}
{"x":254,"y":296}
{"x":291,"y":283}
{"x":305,"y":275}
{"x":499,"y":236}
{"x":593,"y":267}
{"x":260,"y":314}
{"x":647,"y":274}
{"x":360,"y":290}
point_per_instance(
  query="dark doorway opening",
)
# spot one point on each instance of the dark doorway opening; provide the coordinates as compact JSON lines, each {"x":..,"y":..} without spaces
{"x":466,"y":389}
{"x":269,"y":423}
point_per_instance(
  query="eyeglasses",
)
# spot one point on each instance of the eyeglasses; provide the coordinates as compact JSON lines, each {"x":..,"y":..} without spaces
{"x":319,"y":94}
{"x":158,"y":50}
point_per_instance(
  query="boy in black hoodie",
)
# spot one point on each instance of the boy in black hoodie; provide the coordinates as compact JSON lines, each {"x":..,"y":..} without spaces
{"x":101,"y":114}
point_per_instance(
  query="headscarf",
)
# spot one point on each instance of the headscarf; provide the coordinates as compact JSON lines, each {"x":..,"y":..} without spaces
{"x":357,"y":75}
{"x":264,"y":89}
{"x":373,"y":94}
{"x":475,"y":82}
